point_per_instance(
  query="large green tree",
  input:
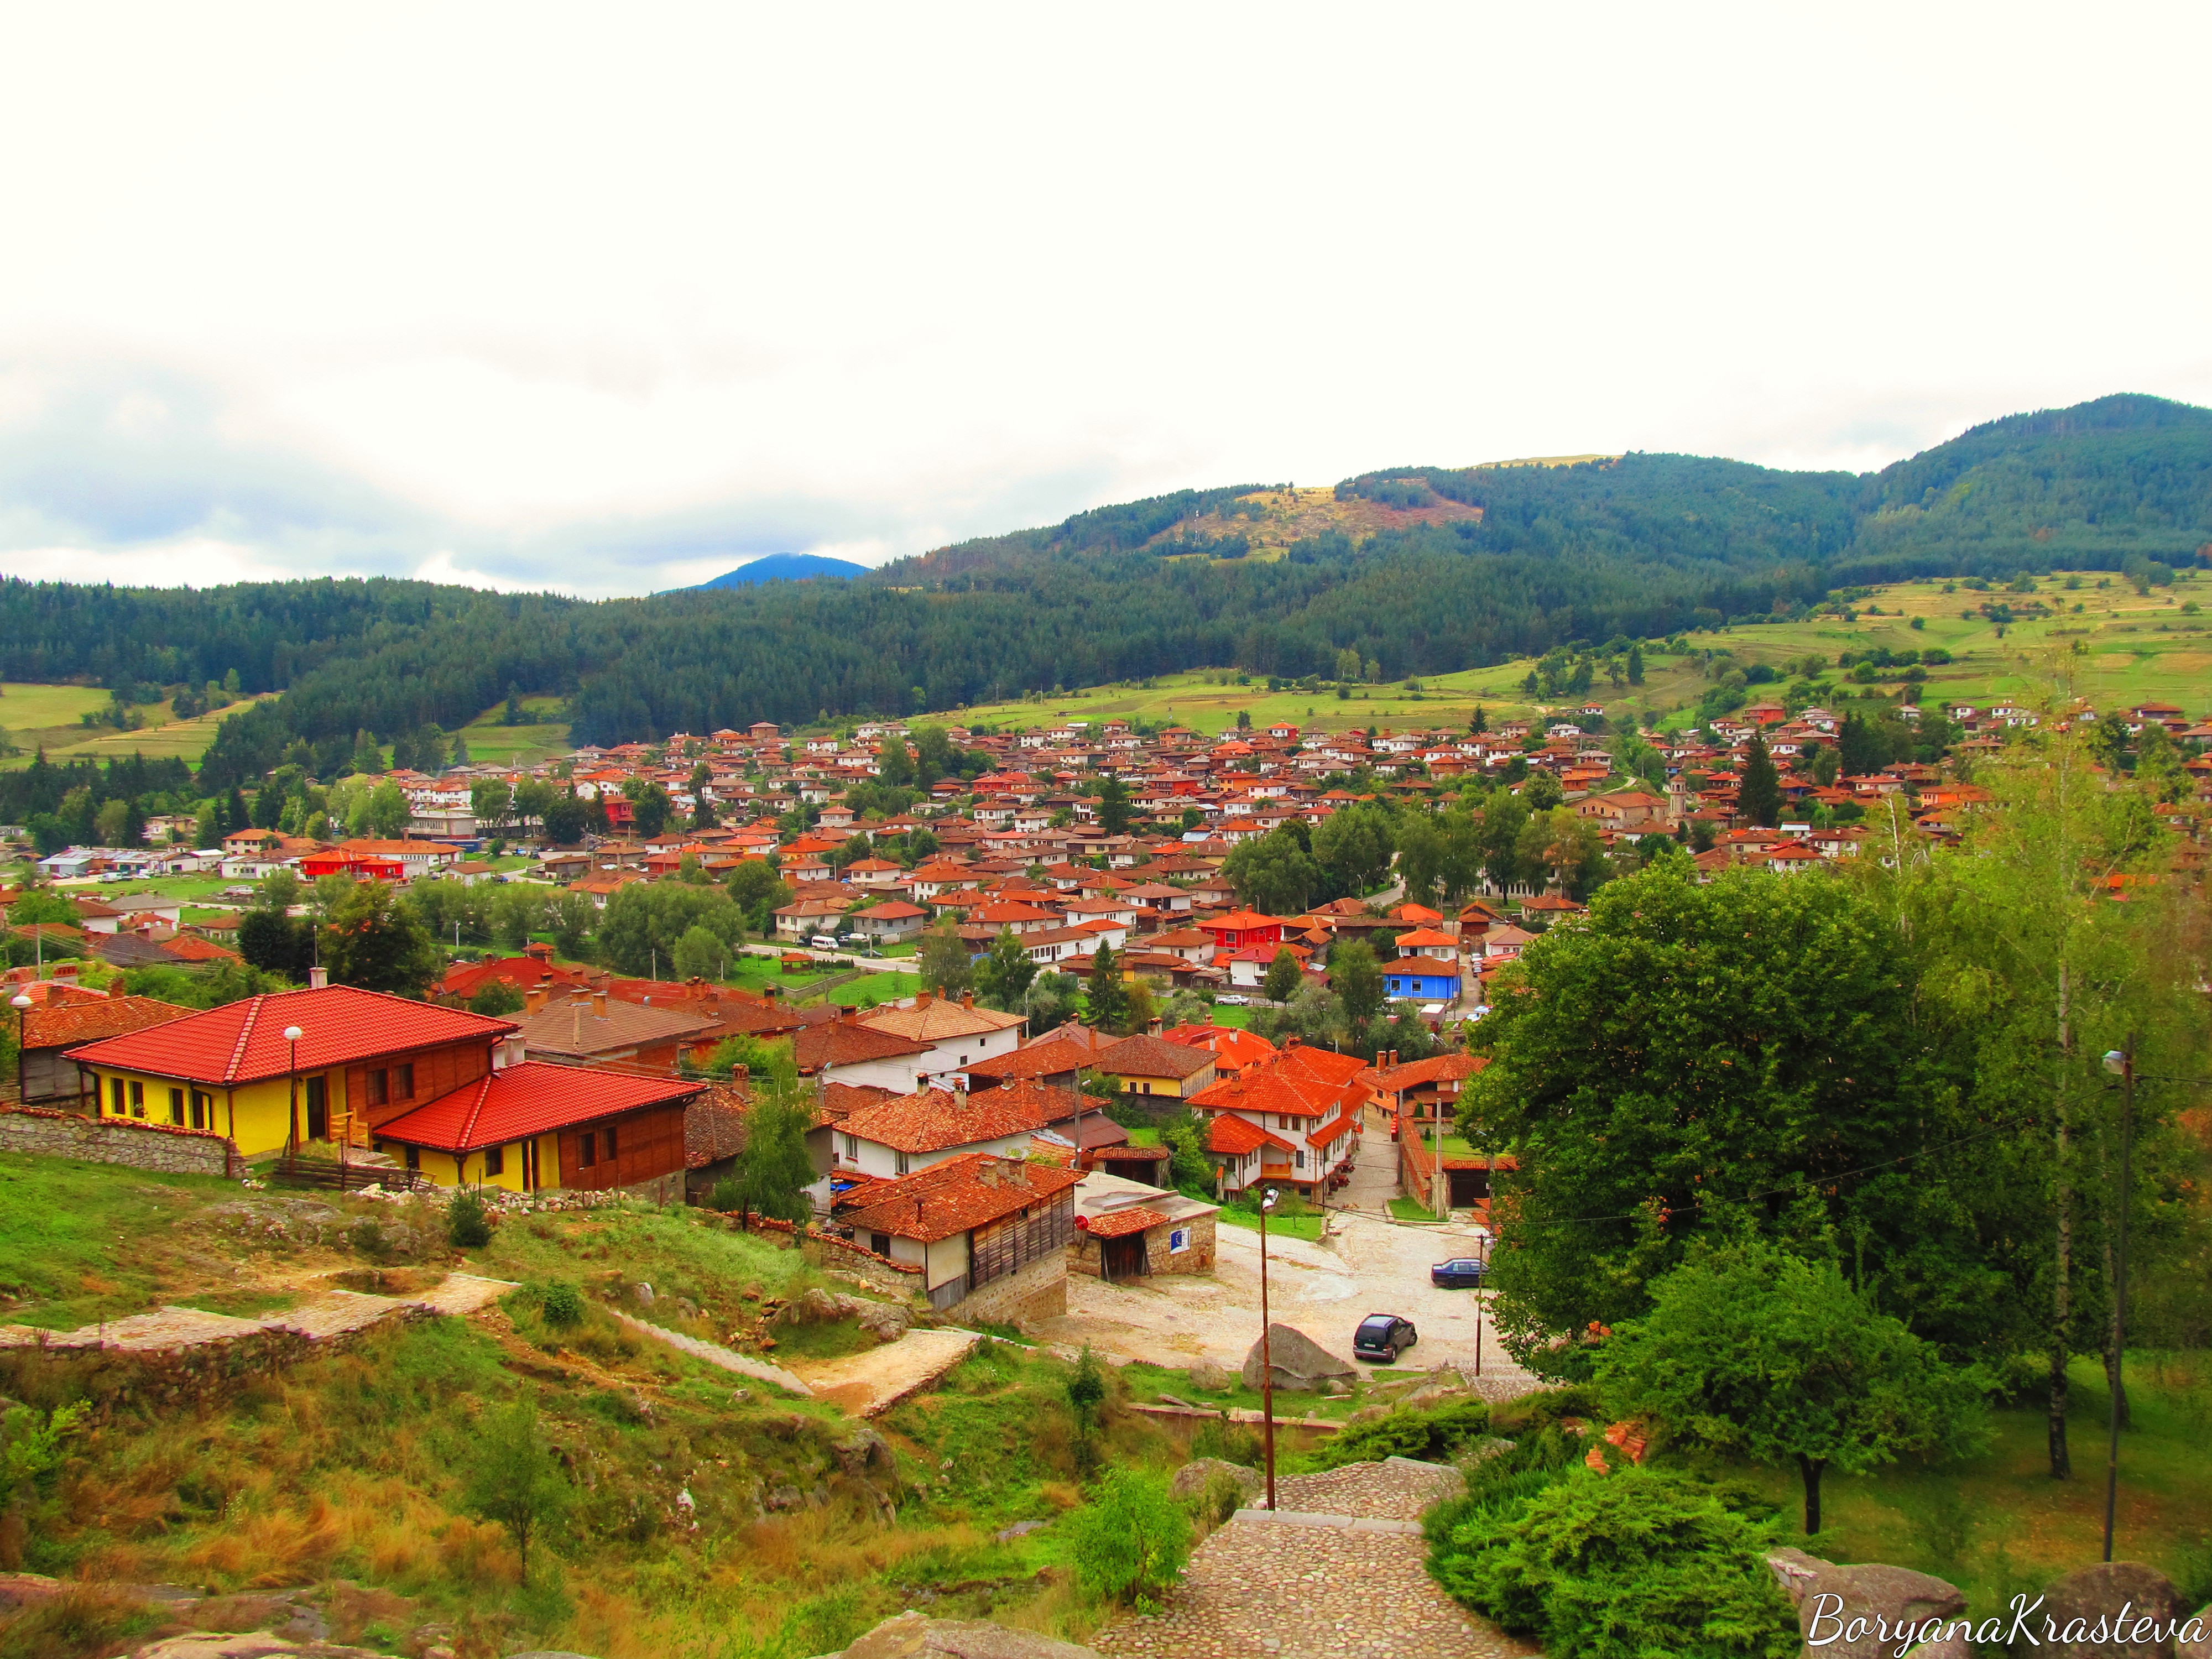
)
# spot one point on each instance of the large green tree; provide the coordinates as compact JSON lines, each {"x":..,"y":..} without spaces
{"x":643,"y":920}
{"x":1758,"y":796}
{"x":372,"y":941}
{"x":1751,"y":1350}
{"x":1275,"y":873}
{"x":1696,"y":1050}
{"x":1003,"y":975}
{"x":943,"y":961}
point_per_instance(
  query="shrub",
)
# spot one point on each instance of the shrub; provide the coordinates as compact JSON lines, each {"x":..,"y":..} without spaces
{"x":560,"y":1304}
{"x":466,"y":1224}
{"x":1432,"y":1436}
{"x":726,"y":1196}
{"x":1232,"y":1443}
{"x":1621,"y":1565}
{"x":1130,"y":1542}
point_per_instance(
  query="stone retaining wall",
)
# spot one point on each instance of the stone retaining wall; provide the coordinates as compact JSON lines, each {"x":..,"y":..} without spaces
{"x":45,"y":1132}
{"x":898,"y":1278}
{"x":1036,"y":1291}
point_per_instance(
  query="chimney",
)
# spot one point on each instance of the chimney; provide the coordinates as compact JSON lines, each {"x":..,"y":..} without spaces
{"x":967,"y":998}
{"x":318,"y":978}
{"x":599,"y":1003}
{"x":1291,"y":1041}
{"x":987,"y":1172}
{"x":738,"y":1074}
{"x":534,"y":1000}
{"x":922,"y":998}
{"x":960,"y":1095}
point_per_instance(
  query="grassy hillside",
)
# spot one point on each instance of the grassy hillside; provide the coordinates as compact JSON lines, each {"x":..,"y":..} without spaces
{"x":52,"y":716}
{"x":2131,"y":648}
{"x":355,"y":1466}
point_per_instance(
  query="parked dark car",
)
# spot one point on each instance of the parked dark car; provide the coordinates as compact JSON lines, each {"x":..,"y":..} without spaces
{"x":1461,"y":1272}
{"x":1383,"y":1338}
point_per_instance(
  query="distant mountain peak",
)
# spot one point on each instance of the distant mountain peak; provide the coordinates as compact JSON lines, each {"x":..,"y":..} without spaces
{"x":786,"y":568}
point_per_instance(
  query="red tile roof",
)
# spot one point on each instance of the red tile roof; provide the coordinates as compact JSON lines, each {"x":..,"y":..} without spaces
{"x":1240,"y":1047}
{"x":1151,"y":1056}
{"x":933,"y":1119}
{"x":63,"y":1023}
{"x":958,"y":1195}
{"x":842,"y":1043}
{"x":1047,"y":1057}
{"x":533,"y":1098}
{"x":244,"y":1041}
{"x":1237,"y":1136}
{"x":1120,"y":1224}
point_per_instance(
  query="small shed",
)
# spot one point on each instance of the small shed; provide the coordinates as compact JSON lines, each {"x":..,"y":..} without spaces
{"x":1126,"y":1230}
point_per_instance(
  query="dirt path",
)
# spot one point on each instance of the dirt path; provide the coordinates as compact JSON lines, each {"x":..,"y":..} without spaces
{"x":867,"y":1383}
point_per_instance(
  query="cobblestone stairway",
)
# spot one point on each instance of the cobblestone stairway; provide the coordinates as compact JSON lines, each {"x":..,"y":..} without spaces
{"x":1337,"y":1570}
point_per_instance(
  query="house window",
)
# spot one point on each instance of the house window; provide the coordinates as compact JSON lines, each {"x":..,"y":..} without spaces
{"x":901,"y":1164}
{"x":405,"y":1080}
{"x":177,"y":1107}
{"x":202,"y":1110}
{"x":851,"y":1148}
{"x":1298,"y":1160}
{"x":611,"y":1143}
{"x":379,"y":1087}
{"x":115,"y":1096}
{"x":880,"y":1244}
{"x":494,"y":1161}
{"x":138,"y":1098}
{"x":414,"y":1158}
{"x":587,"y":1149}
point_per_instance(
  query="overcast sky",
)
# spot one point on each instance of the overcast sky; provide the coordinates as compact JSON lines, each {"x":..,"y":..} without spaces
{"x":611,"y":299}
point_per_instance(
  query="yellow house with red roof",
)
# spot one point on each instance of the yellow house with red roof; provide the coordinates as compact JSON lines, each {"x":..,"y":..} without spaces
{"x":312,"y":1070}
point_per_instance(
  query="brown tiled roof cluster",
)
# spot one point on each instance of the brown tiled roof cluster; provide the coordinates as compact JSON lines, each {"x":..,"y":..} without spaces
{"x":933,"y":1119}
{"x":956,"y":1195}
{"x":85,"y":1021}
{"x":1151,"y":1056}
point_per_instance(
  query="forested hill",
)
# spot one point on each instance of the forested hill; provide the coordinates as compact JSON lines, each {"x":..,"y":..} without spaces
{"x":1424,"y":569}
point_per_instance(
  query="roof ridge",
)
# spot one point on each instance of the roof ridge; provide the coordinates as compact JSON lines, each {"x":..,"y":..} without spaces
{"x":475,"y":1108}
{"x":245,"y":1036}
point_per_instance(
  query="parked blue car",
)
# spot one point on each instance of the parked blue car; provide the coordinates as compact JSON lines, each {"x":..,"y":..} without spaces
{"x":1463,"y":1273}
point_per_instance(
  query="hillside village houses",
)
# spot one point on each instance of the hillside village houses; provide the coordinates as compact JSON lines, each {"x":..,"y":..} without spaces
{"x":948,"y":1143}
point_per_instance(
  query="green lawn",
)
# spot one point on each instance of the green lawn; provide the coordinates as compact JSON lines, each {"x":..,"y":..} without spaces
{"x":1411,"y":1209}
{"x":85,"y":1242}
{"x":1997,"y":1524}
{"x":881,"y":988}
{"x":51,"y":717}
{"x":490,"y":742}
{"x":1230,"y":1014}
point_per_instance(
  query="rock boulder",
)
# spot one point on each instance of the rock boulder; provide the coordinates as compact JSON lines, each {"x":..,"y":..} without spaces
{"x":1204,"y":1374}
{"x":1884,"y":1596}
{"x":2102,"y":1591}
{"x":1191,"y":1479}
{"x":1297,"y":1361}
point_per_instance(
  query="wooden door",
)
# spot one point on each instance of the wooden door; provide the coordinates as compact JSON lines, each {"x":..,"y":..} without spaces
{"x":1124,"y":1258}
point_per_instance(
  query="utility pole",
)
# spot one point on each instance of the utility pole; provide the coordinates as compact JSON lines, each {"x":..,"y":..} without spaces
{"x":1267,"y":1356}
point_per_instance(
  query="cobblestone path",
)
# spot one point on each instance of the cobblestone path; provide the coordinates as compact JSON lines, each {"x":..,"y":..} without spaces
{"x":1322,"y":1577}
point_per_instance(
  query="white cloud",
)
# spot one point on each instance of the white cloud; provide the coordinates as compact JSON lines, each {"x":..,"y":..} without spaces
{"x":512,"y":292}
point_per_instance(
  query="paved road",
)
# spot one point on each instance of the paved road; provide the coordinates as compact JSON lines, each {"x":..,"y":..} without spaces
{"x":1369,"y":1266}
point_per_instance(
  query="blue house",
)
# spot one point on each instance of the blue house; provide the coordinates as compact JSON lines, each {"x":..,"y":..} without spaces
{"x":1421,"y":979}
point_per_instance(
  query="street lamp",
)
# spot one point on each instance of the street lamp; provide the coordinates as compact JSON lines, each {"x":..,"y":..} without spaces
{"x":292,"y":1035}
{"x":20,"y":1002}
{"x":1267,"y":1354}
